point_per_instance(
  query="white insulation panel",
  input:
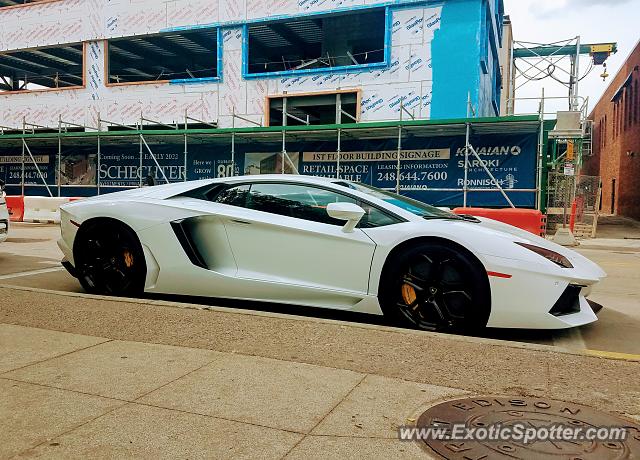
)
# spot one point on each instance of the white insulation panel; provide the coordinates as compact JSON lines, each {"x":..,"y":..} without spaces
{"x":406,"y":81}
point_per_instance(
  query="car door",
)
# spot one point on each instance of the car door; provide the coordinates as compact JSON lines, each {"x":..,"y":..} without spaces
{"x":281,"y":232}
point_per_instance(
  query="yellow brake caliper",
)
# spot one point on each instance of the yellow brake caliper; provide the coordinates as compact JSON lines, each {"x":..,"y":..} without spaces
{"x":128,"y":259}
{"x":409,"y":294}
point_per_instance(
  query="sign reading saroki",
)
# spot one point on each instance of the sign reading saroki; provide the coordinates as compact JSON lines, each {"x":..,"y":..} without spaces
{"x":388,"y":155}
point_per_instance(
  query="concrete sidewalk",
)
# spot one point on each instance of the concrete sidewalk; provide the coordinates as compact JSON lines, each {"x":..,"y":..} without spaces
{"x":74,"y":396}
{"x":91,"y":377}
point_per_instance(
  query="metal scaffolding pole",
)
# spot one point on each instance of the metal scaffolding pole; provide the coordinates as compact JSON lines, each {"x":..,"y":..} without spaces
{"x":155,"y":160}
{"x":99,"y":160}
{"x":284,"y":111}
{"x":284,"y":147}
{"x":339,"y":153}
{"x":574,"y":103}
{"x":35,"y":163}
{"x":399,"y":164}
{"x":233,"y":153}
{"x":465,"y":186}
{"x":540,"y":166}
{"x":140,"y":183}
{"x":59,"y":162}
{"x":186,"y":144}
{"x":24,"y":132}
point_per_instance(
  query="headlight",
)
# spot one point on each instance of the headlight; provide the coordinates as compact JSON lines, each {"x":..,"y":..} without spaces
{"x":548,"y":254}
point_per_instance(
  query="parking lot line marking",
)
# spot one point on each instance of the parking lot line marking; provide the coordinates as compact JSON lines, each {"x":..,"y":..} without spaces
{"x":613,"y":355}
{"x":31,"y":273}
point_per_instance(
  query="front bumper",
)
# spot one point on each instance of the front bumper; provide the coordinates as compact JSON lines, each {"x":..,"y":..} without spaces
{"x":527,"y":299}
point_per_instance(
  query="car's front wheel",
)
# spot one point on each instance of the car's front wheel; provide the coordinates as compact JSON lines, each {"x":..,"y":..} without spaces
{"x":110,"y":260}
{"x":435,"y":286}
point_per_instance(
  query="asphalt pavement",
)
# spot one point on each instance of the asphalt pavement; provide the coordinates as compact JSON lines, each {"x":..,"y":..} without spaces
{"x":30,"y":258}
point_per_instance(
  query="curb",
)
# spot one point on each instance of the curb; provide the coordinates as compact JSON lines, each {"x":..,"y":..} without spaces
{"x":597,"y":354}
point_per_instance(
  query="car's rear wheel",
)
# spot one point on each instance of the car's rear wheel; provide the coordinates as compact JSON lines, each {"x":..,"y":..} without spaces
{"x":110,"y":260}
{"x":435,"y":287}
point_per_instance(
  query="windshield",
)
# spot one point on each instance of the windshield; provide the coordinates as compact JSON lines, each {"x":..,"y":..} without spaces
{"x":408,"y":204}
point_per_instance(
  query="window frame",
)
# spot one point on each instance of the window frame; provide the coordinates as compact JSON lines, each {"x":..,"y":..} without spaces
{"x":357,"y":91}
{"x":339,"y":69}
{"x":488,"y":39}
{"x":219,"y":62}
{"x":22,"y":5}
{"x":358,"y":200}
{"x":496,"y":97}
{"x":46,"y":90}
{"x":499,"y":13}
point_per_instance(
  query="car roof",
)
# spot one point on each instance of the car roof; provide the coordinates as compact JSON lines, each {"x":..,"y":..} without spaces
{"x":280,"y":177}
{"x":167,"y":191}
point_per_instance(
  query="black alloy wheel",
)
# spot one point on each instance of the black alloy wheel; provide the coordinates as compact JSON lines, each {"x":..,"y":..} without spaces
{"x":111,"y":261}
{"x":435,"y":287}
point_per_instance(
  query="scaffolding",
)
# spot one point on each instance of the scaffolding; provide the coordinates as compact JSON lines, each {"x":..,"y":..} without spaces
{"x":148,"y":132}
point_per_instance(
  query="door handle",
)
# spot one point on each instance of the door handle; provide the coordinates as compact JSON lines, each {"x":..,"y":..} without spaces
{"x":241,"y":222}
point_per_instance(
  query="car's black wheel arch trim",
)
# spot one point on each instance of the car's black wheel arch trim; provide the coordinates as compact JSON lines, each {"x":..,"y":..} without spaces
{"x":413,"y":242}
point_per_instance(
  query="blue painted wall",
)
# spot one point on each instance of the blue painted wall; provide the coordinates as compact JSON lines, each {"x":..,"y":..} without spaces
{"x":463,"y":58}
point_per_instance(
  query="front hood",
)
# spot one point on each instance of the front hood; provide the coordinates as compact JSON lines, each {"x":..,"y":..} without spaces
{"x":511,"y":230}
{"x":516,"y":234}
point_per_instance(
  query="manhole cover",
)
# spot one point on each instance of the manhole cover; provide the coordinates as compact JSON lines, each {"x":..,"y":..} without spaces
{"x":487,"y":428}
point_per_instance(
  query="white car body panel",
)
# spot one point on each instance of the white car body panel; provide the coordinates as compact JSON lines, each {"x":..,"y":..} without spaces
{"x":255,"y":255}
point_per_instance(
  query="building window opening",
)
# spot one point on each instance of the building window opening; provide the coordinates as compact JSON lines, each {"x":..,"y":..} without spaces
{"x":188,"y":56}
{"x":44,"y":68}
{"x":314,"y":109}
{"x":317,"y":43}
{"x":6,"y":3}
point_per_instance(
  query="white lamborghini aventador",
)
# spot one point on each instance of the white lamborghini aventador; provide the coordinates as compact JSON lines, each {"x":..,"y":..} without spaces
{"x":325,"y":243}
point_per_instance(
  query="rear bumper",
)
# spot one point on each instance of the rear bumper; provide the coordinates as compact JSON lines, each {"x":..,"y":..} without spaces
{"x":70,"y":268}
{"x":66,"y":251}
{"x":4,"y":229}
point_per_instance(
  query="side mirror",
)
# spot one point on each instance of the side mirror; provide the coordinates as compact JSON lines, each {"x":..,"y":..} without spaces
{"x":350,"y":212}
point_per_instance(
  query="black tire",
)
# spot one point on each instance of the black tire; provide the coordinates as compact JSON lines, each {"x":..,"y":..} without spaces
{"x":435,"y":287}
{"x":110,"y":260}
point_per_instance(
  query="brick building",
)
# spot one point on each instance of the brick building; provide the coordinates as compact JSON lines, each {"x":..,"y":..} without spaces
{"x":616,"y":141}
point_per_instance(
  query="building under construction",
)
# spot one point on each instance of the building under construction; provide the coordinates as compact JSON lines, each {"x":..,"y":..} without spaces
{"x":97,"y":95}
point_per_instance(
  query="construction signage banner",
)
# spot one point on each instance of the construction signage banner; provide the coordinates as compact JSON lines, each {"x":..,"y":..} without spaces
{"x":434,"y":173}
{"x":431,"y":169}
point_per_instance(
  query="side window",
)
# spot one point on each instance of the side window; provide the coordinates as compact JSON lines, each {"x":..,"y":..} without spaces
{"x":309,"y":203}
{"x":234,"y":196}
{"x":296,"y":201}
{"x":376,"y":218}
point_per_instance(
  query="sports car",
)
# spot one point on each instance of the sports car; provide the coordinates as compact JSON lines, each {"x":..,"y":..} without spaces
{"x":327,"y":243}
{"x":4,"y":214}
